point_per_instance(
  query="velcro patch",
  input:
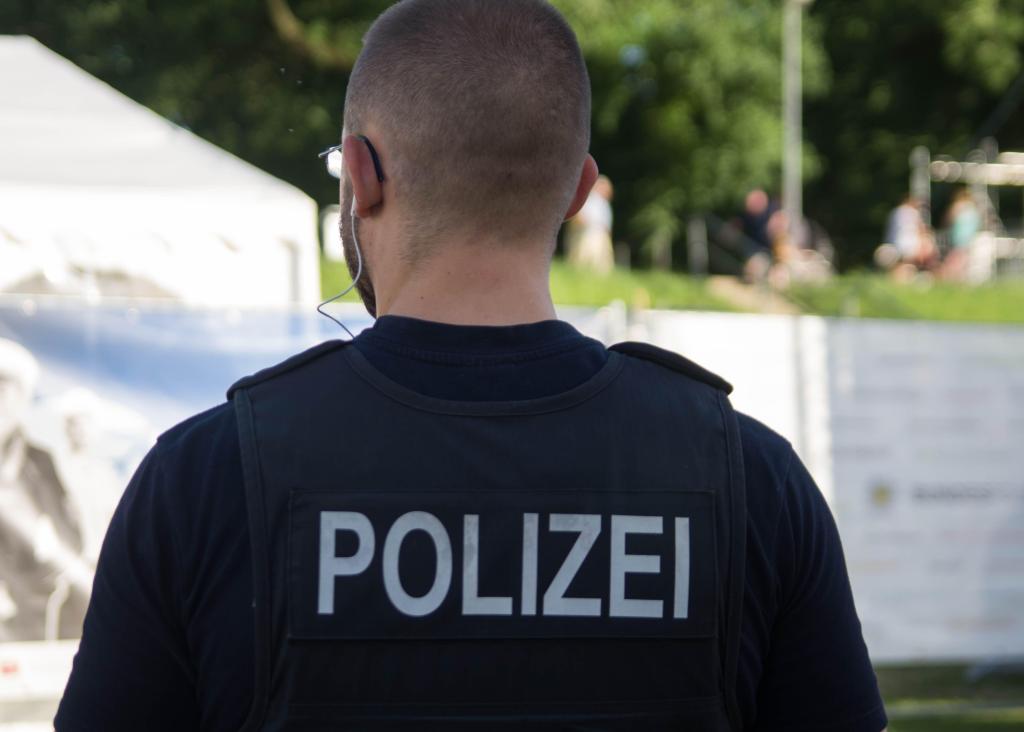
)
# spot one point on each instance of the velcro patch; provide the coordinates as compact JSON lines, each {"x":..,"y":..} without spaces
{"x":474,"y":564}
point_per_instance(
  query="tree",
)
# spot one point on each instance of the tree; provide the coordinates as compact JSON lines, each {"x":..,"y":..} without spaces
{"x":687,"y":105}
{"x":686,"y":94}
{"x":906,"y":73}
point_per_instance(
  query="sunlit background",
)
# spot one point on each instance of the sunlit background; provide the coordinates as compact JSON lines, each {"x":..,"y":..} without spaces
{"x":821,"y":200}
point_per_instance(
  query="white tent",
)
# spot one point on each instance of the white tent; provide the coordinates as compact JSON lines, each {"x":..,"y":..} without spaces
{"x":100,"y":195}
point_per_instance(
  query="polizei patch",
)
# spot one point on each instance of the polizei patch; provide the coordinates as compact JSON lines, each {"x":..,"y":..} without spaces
{"x":462,"y":564}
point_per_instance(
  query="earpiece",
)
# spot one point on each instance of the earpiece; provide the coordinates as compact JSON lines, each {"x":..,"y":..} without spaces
{"x":355,"y":280}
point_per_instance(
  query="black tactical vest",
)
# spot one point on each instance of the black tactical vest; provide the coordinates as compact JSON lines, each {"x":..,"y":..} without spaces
{"x":573,"y":562}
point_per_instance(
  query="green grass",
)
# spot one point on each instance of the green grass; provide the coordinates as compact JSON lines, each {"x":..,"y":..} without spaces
{"x":992,"y":721}
{"x":573,"y":287}
{"x":854,"y":295}
{"x":334,"y":278}
{"x":942,"y":699}
{"x":874,"y":296}
{"x":636,"y":288}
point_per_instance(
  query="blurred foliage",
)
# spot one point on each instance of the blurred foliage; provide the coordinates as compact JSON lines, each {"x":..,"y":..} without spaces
{"x":687,"y":100}
{"x":904,"y":73}
{"x":687,"y":93}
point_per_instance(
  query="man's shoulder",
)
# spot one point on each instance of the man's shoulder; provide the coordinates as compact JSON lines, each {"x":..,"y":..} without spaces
{"x":192,"y":482}
{"x":188,"y":455}
{"x":768,"y":460}
{"x":288,"y":366}
{"x":762,"y":443}
{"x":673,"y":362}
{"x":201,"y":428}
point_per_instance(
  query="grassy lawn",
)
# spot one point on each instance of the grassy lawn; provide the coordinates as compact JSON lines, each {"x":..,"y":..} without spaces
{"x":993,"y":721}
{"x":873,"y":296}
{"x":334,"y":278}
{"x":636,"y":288}
{"x":854,"y":295}
{"x":571,"y":287}
{"x":943,"y":699}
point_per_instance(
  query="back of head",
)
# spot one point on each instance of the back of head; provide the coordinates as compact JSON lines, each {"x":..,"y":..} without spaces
{"x":482,"y":109}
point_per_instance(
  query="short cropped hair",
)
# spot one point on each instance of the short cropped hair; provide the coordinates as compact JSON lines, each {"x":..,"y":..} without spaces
{"x":485,"y":106}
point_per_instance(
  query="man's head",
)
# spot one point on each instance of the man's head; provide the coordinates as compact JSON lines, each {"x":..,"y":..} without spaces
{"x":756,"y":202}
{"x":604,"y":188}
{"x":480,"y":112}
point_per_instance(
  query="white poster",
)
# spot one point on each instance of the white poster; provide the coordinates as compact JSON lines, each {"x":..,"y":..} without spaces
{"x":927,"y":430}
{"x":914,"y":432}
{"x":84,"y":391}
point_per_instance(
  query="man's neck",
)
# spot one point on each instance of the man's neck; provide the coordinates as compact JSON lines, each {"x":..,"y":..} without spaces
{"x":486,"y":284}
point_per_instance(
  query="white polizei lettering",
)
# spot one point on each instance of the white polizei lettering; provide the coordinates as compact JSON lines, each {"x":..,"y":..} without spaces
{"x":331,"y":566}
{"x":402,"y":600}
{"x":472,"y":603}
{"x":681,"y":609}
{"x":531,"y":525}
{"x":620,"y":606}
{"x":588,"y":526}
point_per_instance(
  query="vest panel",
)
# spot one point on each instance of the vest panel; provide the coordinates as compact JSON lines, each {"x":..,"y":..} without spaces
{"x":560,"y":563}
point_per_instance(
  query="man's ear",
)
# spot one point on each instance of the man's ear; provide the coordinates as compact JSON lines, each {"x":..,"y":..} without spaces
{"x":588,"y":176}
{"x":368,"y":191}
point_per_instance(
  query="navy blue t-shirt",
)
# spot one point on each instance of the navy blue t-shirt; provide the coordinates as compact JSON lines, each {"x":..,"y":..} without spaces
{"x":168,"y":638}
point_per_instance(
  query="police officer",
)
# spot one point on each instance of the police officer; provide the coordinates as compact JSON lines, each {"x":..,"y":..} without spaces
{"x":471,"y":516}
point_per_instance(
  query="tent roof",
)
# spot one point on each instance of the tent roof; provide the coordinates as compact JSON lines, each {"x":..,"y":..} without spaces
{"x":60,"y":126}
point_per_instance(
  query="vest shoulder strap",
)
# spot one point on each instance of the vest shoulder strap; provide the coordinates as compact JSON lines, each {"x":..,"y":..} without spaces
{"x":290,"y":364}
{"x":734,"y":506}
{"x":674,"y":361}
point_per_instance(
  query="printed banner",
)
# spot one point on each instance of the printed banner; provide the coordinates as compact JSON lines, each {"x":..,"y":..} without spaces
{"x":927,"y":432}
{"x":85,"y":388}
{"x":84,"y":391}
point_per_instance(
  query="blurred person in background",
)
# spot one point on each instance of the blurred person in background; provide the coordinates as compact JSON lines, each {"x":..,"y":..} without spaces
{"x":963,"y":222}
{"x":43,"y":581}
{"x":762,"y":226}
{"x":802,"y":253}
{"x":471,"y":516}
{"x":590,"y":231}
{"x":909,"y":245}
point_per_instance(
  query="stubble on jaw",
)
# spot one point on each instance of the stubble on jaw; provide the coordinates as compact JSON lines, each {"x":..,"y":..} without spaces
{"x":364,"y":286}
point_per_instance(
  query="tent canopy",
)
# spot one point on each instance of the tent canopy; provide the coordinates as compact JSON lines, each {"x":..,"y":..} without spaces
{"x":95,"y":188}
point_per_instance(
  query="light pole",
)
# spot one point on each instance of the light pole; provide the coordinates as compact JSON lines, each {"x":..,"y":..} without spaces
{"x":792,"y":122}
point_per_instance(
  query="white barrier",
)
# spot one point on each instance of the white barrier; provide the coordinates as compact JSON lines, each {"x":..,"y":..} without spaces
{"x":927,"y":424}
{"x":914,"y":431}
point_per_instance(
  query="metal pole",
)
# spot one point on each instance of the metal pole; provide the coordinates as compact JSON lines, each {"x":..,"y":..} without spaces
{"x":697,"y":246}
{"x":990,"y":148}
{"x":921,"y":179}
{"x":792,"y":94}
{"x":979,"y":188}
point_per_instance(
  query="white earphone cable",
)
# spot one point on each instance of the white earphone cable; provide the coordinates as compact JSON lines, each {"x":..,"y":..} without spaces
{"x":355,"y":280}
